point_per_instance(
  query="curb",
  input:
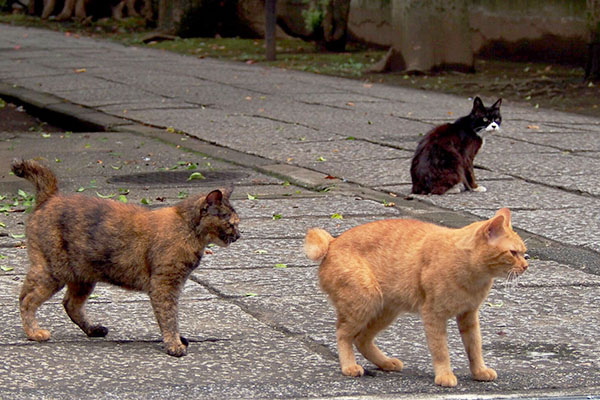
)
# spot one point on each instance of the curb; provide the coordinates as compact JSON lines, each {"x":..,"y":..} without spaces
{"x":80,"y":119}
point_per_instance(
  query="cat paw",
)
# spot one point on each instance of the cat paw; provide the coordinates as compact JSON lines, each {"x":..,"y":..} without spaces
{"x":40,"y":335}
{"x":392,"y":364}
{"x":97,"y":331}
{"x":448,"y":380}
{"x":454,"y":190}
{"x":480,"y":189}
{"x":176,"y":350}
{"x":185,"y":342}
{"x":353,"y":370}
{"x":484,"y":374}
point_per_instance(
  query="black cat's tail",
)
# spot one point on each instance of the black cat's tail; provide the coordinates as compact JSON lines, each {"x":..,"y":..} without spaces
{"x":316,"y":244}
{"x":44,"y":180}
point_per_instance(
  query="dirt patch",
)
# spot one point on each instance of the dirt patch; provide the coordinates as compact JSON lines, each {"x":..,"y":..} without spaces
{"x":15,"y":118}
{"x":538,"y":85}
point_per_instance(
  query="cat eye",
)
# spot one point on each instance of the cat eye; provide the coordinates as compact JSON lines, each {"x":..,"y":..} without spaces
{"x":514,"y":253}
{"x":485,"y":119}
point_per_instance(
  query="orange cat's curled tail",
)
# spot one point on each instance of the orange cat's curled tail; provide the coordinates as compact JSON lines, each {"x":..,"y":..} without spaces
{"x":46,"y":184}
{"x":316,"y":243}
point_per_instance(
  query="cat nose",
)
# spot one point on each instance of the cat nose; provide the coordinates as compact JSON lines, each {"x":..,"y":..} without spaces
{"x":235,"y":237}
{"x":525,"y":266}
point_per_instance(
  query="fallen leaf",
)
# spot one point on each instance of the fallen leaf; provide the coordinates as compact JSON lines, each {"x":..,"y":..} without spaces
{"x":251,"y":197}
{"x":250,"y":294}
{"x":108,"y":196}
{"x":196,"y":175}
{"x":536,"y":127}
{"x":277,"y":216}
{"x":336,"y":216}
{"x":351,"y":104}
{"x":208,"y":251}
{"x":80,"y":70}
{"x":6,"y":268}
{"x":330,"y":177}
{"x":122,"y":198}
{"x":145,"y":201}
{"x":280,"y":265}
{"x":16,"y":236}
{"x":260,"y":251}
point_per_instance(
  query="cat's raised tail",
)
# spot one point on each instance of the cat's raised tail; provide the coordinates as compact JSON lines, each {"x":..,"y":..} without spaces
{"x":316,"y":243}
{"x":44,"y":180}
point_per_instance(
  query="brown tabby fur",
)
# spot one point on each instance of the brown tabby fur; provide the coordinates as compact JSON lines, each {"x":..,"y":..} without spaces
{"x":376,"y":271}
{"x":78,"y":241}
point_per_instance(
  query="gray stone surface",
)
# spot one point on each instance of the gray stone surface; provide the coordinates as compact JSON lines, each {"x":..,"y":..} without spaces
{"x":258,"y":330}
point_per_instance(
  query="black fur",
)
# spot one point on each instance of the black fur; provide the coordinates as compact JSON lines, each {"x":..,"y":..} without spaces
{"x":444,"y":157}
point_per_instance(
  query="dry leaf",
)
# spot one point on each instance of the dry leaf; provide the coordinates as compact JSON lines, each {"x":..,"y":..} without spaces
{"x":80,"y":70}
{"x":351,"y":104}
{"x":533,"y":127}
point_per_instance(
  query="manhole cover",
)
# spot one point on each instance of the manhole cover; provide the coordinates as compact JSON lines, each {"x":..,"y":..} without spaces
{"x":179,"y":178}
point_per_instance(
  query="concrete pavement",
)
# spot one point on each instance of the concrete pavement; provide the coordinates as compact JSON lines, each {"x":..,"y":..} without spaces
{"x":263,"y":332}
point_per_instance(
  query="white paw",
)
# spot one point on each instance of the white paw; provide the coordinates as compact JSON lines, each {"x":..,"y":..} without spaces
{"x":454,"y":189}
{"x":480,"y":189}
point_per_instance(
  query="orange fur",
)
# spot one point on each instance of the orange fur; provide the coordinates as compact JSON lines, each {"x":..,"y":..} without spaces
{"x":376,"y":271}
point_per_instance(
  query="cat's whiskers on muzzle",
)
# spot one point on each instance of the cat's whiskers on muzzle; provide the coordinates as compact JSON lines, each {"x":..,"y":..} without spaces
{"x":512,"y":279}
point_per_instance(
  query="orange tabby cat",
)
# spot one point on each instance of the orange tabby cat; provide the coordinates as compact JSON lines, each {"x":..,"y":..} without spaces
{"x":376,"y":271}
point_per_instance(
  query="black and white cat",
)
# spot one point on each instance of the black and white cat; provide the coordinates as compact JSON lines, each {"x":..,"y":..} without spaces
{"x":444,"y":158}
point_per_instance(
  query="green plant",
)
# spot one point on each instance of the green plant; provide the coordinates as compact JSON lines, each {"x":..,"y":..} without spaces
{"x":314,"y":16}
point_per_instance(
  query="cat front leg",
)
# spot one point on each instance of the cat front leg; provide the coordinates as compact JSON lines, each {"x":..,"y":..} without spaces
{"x":468,"y":325}
{"x":164,"y":297}
{"x":470,"y":183}
{"x":435,"y":331}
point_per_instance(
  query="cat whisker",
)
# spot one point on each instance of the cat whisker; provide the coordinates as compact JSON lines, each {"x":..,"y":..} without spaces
{"x":512,"y":280}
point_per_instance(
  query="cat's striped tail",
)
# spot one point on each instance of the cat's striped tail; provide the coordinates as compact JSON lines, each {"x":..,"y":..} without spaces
{"x":316,"y":243}
{"x":41,"y":176}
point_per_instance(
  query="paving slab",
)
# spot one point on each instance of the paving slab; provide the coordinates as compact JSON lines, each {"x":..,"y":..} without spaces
{"x":259,"y":329}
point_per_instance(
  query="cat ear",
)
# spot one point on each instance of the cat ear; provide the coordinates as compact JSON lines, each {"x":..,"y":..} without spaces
{"x":494,"y":228}
{"x":505,"y":212}
{"x":477,"y":104}
{"x":227,"y":191}
{"x":497,"y":104}
{"x":214,"y":198}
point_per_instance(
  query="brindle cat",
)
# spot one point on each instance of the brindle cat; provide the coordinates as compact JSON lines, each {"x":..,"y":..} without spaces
{"x":78,"y":241}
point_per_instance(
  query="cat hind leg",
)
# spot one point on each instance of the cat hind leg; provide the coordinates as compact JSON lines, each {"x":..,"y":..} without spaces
{"x":365,"y":342}
{"x":38,"y":287}
{"x":74,"y":303}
